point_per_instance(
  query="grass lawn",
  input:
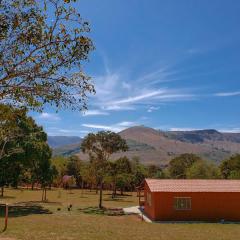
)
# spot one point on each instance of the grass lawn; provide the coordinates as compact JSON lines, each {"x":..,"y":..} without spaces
{"x":32,"y":220}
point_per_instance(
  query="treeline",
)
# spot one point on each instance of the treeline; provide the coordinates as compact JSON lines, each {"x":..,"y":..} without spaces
{"x":120,"y":175}
{"x":126,"y":174}
{"x":190,"y":166}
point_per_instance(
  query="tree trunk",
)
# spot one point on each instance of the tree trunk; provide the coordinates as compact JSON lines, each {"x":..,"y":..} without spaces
{"x":2,"y":191}
{"x":121,"y":191}
{"x":114,"y":193}
{"x":82,"y":188}
{"x":32,"y":186}
{"x":42,"y":194}
{"x":45,"y":195}
{"x":100,"y":194}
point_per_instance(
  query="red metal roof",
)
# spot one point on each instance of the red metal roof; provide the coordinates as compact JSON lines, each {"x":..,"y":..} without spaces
{"x":193,"y":185}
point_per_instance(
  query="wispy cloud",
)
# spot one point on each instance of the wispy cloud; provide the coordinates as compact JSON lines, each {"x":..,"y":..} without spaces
{"x":114,"y":127}
{"x":229,"y":130}
{"x":49,"y":116}
{"x":94,"y":112}
{"x":117,"y":91}
{"x":152,"y":108}
{"x":118,"y":108}
{"x":140,"y":97}
{"x":227,"y":94}
{"x":55,"y":131}
{"x":183,"y":129}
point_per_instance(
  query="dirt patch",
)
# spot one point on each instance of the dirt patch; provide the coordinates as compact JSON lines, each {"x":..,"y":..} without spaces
{"x":7,"y":238}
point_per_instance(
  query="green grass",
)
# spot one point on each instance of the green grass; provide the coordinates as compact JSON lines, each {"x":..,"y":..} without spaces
{"x":33,"y":220}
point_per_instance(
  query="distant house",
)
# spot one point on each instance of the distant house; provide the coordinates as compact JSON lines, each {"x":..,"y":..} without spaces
{"x":186,"y":200}
{"x":67,"y":181}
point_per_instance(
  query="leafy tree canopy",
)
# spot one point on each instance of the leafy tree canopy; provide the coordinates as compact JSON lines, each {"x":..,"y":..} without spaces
{"x":42,"y":47}
{"x":230,"y":168}
{"x":179,"y":165}
{"x":100,"y":146}
{"x":203,"y":170}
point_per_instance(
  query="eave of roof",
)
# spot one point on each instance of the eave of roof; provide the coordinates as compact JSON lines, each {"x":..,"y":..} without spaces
{"x":193,"y":185}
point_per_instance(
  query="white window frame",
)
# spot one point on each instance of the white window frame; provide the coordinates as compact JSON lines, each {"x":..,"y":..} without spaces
{"x":177,"y":208}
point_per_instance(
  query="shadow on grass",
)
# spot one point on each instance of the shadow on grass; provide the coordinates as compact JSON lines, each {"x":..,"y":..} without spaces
{"x":7,"y":197}
{"x":23,"y":210}
{"x":40,"y":202}
{"x":117,"y":200}
{"x":102,"y":211}
{"x":120,"y":195}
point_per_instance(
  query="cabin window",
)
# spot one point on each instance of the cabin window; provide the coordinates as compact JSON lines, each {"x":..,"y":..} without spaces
{"x":149,"y":199}
{"x":182,"y":203}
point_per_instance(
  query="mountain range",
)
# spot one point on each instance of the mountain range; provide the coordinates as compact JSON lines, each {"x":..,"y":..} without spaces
{"x":158,"y":147}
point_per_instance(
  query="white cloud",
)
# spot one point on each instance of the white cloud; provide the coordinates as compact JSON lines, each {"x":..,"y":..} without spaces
{"x":94,"y":113}
{"x":227,"y":94}
{"x":116,"y":91}
{"x":54,"y":131}
{"x":96,"y":126}
{"x":183,"y":129}
{"x":176,"y":97}
{"x":118,"y":108}
{"x":152,"y":108}
{"x":229,"y":130}
{"x":49,"y":116}
{"x":140,"y":97}
{"x":114,"y":127}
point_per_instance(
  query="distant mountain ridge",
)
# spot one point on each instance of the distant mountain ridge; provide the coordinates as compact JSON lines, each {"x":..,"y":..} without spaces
{"x":59,"y":141}
{"x":158,"y":147}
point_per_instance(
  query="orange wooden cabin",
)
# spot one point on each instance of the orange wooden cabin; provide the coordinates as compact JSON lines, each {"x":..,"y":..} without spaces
{"x":192,"y":200}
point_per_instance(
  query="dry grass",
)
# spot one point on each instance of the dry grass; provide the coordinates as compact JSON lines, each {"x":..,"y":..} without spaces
{"x":32,"y":220}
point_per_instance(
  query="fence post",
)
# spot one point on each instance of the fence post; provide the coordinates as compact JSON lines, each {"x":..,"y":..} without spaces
{"x":6,"y":217}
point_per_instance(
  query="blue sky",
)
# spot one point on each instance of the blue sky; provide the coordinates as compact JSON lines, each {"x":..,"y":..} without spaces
{"x":164,"y":64}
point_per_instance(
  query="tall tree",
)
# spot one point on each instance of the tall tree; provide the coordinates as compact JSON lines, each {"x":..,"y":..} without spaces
{"x":139,"y":172}
{"x":23,"y":146}
{"x":179,"y":165}
{"x":100,"y":147}
{"x":42,"y":47}
{"x":120,"y":173}
{"x":203,"y":170}
{"x":45,"y":170}
{"x":11,"y":129}
{"x":154,"y":171}
{"x":230,"y":168}
{"x":74,"y":166}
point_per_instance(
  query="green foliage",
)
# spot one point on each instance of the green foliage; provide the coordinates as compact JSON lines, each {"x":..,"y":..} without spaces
{"x":139,"y":172}
{"x":100,"y":147}
{"x":154,"y":171}
{"x":102,"y":144}
{"x":179,"y":165}
{"x":120,"y":174}
{"x":73,"y":168}
{"x":13,"y":123}
{"x":203,"y":170}
{"x":24,"y":149}
{"x":230,"y":168}
{"x":42,"y":48}
{"x":60,"y":164}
